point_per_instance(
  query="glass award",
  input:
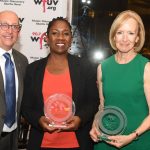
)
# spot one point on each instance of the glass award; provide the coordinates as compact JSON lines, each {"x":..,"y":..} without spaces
{"x":111,"y":121}
{"x":59,"y":108}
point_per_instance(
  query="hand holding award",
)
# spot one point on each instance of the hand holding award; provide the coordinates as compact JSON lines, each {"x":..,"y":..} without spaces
{"x":59,"y":108}
{"x":111,"y":121}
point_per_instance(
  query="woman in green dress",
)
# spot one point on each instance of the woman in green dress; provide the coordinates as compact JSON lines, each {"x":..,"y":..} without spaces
{"x":124,"y":82}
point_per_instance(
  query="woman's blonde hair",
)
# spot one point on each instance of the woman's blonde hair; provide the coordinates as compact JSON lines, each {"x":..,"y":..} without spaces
{"x":119,"y":20}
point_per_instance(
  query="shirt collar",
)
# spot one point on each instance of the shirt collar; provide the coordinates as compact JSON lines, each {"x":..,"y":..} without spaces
{"x":2,"y":52}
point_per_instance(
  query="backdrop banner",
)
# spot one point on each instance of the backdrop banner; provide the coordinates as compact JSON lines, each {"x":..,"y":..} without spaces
{"x":34,"y":16}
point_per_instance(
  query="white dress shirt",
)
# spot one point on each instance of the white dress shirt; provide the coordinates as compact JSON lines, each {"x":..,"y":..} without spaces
{"x":2,"y":66}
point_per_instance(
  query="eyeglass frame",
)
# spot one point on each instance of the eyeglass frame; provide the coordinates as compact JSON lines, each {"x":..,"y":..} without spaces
{"x":5,"y":27}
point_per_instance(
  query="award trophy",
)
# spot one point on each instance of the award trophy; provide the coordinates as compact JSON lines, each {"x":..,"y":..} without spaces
{"x":59,"y":108}
{"x":111,"y":121}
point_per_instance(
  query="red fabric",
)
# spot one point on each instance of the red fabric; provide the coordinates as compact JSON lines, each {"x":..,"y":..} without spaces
{"x":58,"y":83}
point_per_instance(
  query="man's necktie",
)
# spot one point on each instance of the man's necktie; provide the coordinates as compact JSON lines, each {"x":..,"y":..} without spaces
{"x":10,"y":91}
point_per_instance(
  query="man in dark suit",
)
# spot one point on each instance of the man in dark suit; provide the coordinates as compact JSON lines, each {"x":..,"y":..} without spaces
{"x":12,"y":70}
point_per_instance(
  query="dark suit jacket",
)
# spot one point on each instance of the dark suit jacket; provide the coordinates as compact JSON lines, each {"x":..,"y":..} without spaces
{"x":85,"y":96}
{"x":20,"y":63}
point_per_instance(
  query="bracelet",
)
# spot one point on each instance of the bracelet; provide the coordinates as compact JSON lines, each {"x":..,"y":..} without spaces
{"x":137,"y":135}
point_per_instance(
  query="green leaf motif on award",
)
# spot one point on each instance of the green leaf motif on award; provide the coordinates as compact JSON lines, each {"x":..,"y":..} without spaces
{"x":111,"y":122}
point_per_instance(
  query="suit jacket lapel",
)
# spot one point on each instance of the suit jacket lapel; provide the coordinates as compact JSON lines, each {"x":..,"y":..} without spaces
{"x":40,"y":70}
{"x":2,"y":94}
{"x":75,"y":76}
{"x":20,"y":77}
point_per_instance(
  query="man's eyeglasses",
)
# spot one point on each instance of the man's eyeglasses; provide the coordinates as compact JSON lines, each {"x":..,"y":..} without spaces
{"x":5,"y":27}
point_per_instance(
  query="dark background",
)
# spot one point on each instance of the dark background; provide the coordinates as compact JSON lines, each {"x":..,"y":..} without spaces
{"x":91,"y":25}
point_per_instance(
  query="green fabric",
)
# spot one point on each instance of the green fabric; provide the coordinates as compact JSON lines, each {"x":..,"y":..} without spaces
{"x":123,"y":87}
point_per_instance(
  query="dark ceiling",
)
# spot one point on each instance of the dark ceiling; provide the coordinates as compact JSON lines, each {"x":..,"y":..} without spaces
{"x":94,"y":26}
{"x":141,"y":6}
{"x":109,"y":5}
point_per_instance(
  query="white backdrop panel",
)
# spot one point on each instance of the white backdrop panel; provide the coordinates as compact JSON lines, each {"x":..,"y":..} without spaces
{"x":34,"y":16}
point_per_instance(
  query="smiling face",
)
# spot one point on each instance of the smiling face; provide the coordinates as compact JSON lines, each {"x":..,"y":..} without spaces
{"x":126,"y":36}
{"x":8,"y":37}
{"x":59,"y":37}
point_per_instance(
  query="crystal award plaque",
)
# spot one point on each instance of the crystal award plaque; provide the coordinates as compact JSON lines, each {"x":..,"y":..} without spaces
{"x":111,"y":121}
{"x":59,"y":108}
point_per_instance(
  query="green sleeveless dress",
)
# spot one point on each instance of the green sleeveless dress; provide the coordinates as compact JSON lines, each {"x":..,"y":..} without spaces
{"x":123,"y":87}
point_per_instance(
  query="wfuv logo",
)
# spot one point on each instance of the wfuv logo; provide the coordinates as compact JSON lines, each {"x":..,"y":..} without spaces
{"x":21,"y":20}
{"x":39,"y":37}
{"x":50,"y":3}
